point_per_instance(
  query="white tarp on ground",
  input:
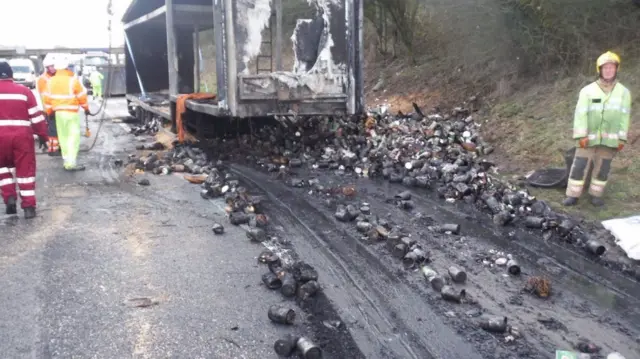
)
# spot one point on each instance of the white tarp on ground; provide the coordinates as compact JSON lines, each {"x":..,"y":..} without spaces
{"x":627,"y":233}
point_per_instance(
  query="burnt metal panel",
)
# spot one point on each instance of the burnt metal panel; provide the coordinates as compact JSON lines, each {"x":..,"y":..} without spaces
{"x":241,"y":32}
{"x":150,"y":51}
{"x":114,"y":75}
{"x":358,"y":63}
{"x":186,"y":61}
{"x":307,"y":50}
{"x":338,"y":21}
{"x":221,"y":49}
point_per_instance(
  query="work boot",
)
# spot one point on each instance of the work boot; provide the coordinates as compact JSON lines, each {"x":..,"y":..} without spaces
{"x":597,"y":201}
{"x":11,"y":206}
{"x":570,"y":201}
{"x":75,"y":168}
{"x":29,"y":212}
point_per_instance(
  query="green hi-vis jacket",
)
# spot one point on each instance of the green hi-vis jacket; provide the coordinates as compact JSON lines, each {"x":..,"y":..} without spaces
{"x":95,"y":78}
{"x":603,"y":118}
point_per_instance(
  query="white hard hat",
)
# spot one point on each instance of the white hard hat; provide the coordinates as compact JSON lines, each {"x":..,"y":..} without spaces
{"x":48,"y":62}
{"x":61,"y":64}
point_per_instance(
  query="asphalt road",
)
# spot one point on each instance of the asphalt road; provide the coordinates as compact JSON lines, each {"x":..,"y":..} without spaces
{"x":100,"y":240}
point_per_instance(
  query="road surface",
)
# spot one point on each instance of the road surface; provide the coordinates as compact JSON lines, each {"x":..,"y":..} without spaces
{"x":100,"y":240}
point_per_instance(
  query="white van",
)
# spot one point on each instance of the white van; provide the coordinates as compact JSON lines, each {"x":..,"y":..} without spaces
{"x":24,"y":72}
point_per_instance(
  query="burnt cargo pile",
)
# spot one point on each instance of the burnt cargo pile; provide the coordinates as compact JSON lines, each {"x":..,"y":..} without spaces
{"x":324,"y":147}
{"x":438,"y":152}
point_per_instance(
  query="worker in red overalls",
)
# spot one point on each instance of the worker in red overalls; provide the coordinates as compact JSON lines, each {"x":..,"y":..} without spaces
{"x":20,"y":118}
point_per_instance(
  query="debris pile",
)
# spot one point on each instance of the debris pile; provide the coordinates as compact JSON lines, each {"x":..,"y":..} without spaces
{"x":440,"y":283}
{"x":538,"y":286}
{"x":299,"y":280}
{"x":152,"y":126}
{"x":440,"y":152}
{"x":500,"y":259}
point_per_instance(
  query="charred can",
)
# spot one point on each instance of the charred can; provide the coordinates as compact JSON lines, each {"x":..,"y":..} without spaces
{"x":256,"y":235}
{"x":493,"y":204}
{"x":289,"y":284}
{"x":413,"y":258}
{"x":400,"y":250}
{"x":457,"y":274}
{"x":451,"y":294}
{"x":281,"y":315}
{"x":450,"y":227}
{"x":534,"y":222}
{"x":285,"y":346}
{"x":513,"y":267}
{"x":363,"y":227}
{"x":271,"y":280}
{"x":217,"y":228}
{"x":436,"y":281}
{"x":308,"y":350}
{"x":405,"y":196}
{"x":268,"y":257}
{"x":238,"y":218}
{"x":494,"y":324}
{"x":275,"y":267}
{"x":309,"y":289}
{"x":565,"y":227}
{"x":406,"y":204}
{"x":503,"y":218}
{"x":595,"y":247}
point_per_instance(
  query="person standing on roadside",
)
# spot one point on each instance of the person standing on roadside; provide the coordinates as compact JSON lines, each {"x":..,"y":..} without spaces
{"x":600,"y":125}
{"x":53,"y":148}
{"x":64,"y":98}
{"x":20,"y":119}
{"x":96,"y":78}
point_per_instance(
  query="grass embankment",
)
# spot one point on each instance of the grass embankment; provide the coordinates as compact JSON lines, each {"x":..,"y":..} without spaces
{"x":531,"y":129}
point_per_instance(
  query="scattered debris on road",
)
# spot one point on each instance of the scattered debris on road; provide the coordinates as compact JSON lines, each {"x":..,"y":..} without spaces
{"x":538,"y":286}
{"x":217,"y":228}
{"x":438,"y":152}
{"x":143,"y":302}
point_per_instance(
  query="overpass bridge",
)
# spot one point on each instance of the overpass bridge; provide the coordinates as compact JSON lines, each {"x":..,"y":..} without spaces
{"x":40,"y":53}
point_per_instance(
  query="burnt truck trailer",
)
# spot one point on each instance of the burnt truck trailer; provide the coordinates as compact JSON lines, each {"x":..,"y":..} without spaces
{"x":162,"y":59}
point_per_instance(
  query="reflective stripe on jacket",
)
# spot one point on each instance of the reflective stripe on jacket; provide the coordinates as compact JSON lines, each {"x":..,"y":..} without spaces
{"x":65,"y":93}
{"x":19,"y":109}
{"x":43,"y":84}
{"x":602,"y":118}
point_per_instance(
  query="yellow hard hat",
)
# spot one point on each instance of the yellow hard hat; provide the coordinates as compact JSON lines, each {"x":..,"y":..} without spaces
{"x":606,"y":58}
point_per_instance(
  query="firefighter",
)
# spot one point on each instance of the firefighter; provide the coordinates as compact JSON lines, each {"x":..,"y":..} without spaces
{"x":63,"y":99}
{"x":20,"y":118}
{"x":96,"y":83}
{"x":53,"y":148}
{"x":600,"y":125}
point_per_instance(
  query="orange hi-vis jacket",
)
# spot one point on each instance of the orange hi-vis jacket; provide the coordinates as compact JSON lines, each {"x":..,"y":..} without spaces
{"x":43,"y":84}
{"x":65,"y":93}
